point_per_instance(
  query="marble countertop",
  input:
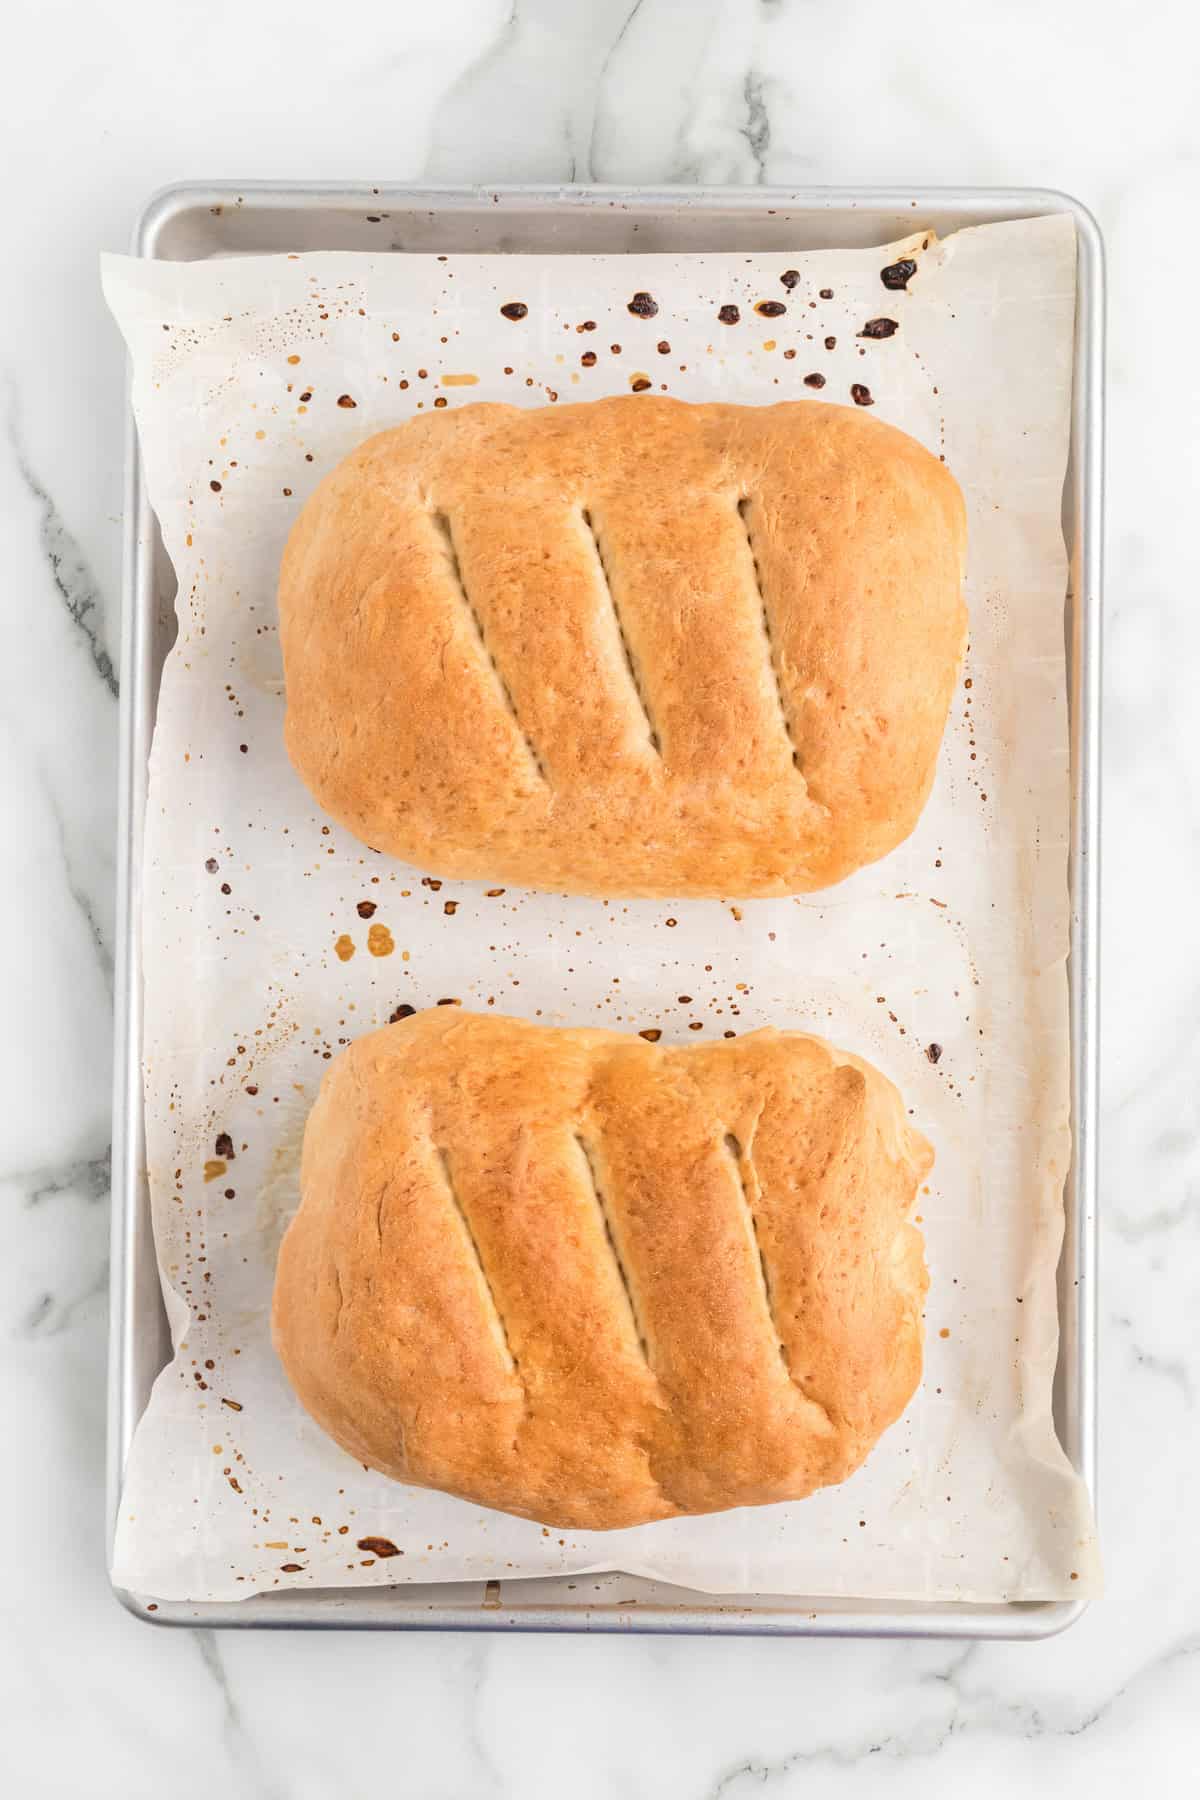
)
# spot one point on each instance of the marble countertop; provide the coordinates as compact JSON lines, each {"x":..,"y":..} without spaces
{"x":102,"y":106}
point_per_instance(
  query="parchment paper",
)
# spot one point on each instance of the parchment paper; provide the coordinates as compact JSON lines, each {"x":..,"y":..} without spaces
{"x":945,"y":964}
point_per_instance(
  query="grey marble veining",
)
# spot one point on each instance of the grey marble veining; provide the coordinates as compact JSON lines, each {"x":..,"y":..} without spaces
{"x":73,"y":580}
{"x":1084,"y":96}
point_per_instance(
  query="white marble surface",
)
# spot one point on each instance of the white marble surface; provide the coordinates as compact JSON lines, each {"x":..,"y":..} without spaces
{"x":100,"y":106}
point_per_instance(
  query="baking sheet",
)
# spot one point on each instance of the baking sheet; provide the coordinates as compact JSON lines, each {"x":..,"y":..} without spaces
{"x":956,"y":941}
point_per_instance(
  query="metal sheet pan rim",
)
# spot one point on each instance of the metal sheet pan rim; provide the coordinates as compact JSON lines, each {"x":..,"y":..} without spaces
{"x":133,"y":1273}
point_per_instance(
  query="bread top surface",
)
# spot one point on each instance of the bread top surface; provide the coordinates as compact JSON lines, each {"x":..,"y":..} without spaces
{"x":597,"y":1282}
{"x":633,"y":646}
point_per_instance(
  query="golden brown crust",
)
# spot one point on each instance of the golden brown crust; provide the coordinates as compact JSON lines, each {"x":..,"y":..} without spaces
{"x":596,"y":1282}
{"x":633,"y":646}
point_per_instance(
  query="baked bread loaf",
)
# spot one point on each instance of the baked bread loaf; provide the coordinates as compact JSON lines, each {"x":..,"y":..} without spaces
{"x":630,"y":647}
{"x":595,"y":1281}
